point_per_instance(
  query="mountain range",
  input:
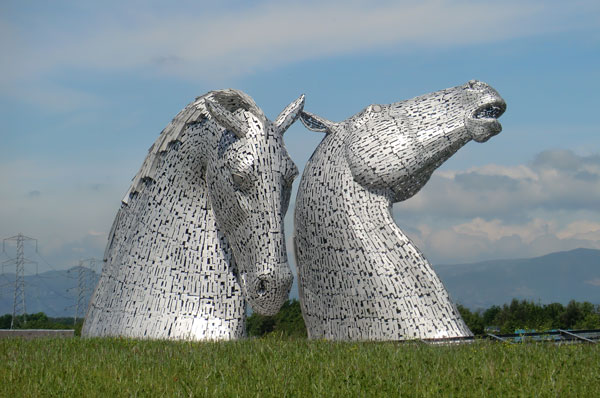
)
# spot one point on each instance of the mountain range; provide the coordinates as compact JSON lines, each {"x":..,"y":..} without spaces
{"x":556,"y":277}
{"x":54,"y":292}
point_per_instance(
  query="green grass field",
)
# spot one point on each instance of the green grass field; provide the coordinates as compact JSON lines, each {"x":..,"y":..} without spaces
{"x":284,"y":367}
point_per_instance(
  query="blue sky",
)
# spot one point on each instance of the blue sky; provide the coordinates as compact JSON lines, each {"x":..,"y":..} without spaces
{"x":86,"y":87}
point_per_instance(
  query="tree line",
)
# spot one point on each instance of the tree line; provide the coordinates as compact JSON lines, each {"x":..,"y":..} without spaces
{"x":39,"y":321}
{"x":505,"y":319}
{"x":527,"y":315}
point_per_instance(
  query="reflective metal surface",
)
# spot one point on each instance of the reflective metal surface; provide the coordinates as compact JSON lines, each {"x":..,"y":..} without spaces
{"x":200,"y":231}
{"x":360,"y":277}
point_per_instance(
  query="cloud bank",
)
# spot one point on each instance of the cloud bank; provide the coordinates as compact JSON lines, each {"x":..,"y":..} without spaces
{"x":492,"y":211}
{"x":196,"y":39}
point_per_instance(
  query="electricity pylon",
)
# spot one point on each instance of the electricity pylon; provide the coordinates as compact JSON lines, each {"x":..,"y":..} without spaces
{"x":19,"y":262}
{"x":84,"y":279}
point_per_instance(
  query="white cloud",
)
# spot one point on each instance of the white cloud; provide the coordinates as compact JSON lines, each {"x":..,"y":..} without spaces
{"x":495,"y":229}
{"x":594,"y":282}
{"x":196,"y":40}
{"x":556,"y":179}
{"x":495,"y":211}
{"x":582,"y":229}
{"x":473,"y":241}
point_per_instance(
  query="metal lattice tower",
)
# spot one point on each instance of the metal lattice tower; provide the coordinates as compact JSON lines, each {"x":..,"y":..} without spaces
{"x":84,"y":286}
{"x":19,"y":262}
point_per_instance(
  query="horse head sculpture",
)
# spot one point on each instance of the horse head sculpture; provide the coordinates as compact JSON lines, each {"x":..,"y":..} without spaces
{"x":249,"y":179}
{"x":360,"y":277}
{"x":200,"y":231}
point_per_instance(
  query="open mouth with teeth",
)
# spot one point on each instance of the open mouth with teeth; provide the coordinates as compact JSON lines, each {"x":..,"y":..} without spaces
{"x":490,"y":111}
{"x":483,"y":122}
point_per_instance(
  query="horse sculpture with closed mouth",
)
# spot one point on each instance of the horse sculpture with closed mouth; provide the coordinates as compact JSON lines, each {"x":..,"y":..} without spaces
{"x":200,"y":231}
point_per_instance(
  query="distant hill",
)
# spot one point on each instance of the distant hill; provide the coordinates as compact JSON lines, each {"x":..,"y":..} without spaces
{"x":556,"y":277}
{"x":53,"y":292}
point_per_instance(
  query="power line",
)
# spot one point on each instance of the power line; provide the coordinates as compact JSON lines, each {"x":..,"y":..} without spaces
{"x":46,"y":262}
{"x":86,"y":279}
{"x":19,"y":262}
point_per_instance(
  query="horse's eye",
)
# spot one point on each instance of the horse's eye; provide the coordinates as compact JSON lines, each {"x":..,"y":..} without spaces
{"x":237,"y":179}
{"x":241,"y":183}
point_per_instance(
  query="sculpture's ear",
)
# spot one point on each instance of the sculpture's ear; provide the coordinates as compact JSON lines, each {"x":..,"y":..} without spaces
{"x":289,"y":115}
{"x":226,"y":118}
{"x":316,"y":123}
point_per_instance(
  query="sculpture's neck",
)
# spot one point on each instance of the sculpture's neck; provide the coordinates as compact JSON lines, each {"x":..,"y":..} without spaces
{"x":374,"y":223}
{"x":366,"y":225}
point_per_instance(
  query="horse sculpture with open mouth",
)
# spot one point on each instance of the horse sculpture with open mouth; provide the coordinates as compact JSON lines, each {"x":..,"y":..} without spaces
{"x":360,"y":277}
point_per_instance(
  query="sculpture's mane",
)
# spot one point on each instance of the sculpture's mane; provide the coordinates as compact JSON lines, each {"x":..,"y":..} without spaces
{"x":194,"y":112}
